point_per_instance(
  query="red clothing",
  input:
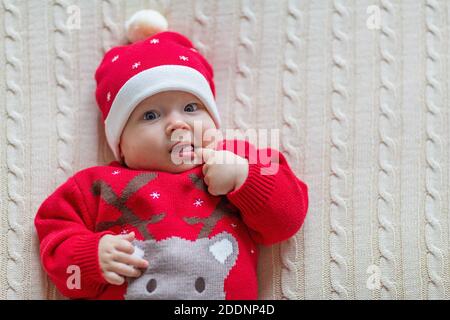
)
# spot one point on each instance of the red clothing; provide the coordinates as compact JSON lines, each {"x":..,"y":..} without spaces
{"x":266,"y":209}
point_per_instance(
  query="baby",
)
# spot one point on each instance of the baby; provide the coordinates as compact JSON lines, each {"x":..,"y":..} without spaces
{"x":180,"y":212}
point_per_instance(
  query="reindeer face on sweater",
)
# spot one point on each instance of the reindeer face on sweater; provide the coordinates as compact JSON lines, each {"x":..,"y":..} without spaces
{"x":184,"y":269}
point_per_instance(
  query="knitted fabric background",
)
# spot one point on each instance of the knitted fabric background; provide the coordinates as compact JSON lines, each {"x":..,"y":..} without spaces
{"x":362,"y":108}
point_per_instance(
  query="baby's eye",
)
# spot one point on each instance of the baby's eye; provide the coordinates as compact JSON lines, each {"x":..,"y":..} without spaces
{"x":191,"y":107}
{"x":150,"y":115}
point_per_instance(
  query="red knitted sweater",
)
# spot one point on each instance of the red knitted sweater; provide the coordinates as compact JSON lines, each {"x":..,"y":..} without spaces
{"x":199,"y":246}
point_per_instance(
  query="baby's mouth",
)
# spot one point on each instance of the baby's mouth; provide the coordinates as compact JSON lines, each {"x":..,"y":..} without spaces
{"x":183,"y":150}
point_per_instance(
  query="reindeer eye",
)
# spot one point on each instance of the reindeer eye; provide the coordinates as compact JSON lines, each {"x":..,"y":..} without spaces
{"x":151,"y":285}
{"x":200,"y":285}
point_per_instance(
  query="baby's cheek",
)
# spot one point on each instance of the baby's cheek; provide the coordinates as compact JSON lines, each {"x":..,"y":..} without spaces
{"x":210,"y":138}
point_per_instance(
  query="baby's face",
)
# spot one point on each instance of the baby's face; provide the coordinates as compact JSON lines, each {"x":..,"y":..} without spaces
{"x":157,"y":123}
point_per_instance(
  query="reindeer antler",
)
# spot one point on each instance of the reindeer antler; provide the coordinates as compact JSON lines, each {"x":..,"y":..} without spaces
{"x":220,"y":210}
{"x":198,"y":182}
{"x":101,"y":188}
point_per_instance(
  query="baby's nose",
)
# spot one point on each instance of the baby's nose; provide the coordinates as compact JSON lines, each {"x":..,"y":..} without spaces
{"x":176,"y":125}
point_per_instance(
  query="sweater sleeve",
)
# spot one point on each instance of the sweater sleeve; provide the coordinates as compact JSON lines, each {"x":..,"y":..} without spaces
{"x":68,"y":246}
{"x":272,"y":200}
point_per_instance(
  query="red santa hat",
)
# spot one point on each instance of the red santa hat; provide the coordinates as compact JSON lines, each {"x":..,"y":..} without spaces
{"x":154,"y":62}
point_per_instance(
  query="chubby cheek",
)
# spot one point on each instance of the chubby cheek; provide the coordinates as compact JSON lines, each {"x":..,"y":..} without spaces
{"x":141,"y":146}
{"x":210,"y":136}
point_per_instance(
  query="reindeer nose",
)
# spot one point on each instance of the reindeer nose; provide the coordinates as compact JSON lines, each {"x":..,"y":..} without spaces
{"x":151,"y":285}
{"x":200,"y":285}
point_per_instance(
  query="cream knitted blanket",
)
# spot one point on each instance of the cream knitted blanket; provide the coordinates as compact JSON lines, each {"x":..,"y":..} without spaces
{"x":357,"y":89}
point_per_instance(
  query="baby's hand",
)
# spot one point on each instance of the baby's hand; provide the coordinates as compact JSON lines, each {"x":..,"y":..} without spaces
{"x":224,"y":171}
{"x":116,"y":258}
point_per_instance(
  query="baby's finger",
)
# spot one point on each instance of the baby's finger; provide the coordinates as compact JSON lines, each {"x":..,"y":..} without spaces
{"x":131,"y":260}
{"x":206,"y":155}
{"x":113,"y":278}
{"x":125,"y":246}
{"x":206,"y":180}
{"x":213,"y":191}
{"x":129,"y":236}
{"x":205,"y":169}
{"x":125,"y":270}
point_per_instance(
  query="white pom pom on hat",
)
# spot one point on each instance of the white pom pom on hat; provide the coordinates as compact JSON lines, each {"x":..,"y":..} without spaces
{"x":144,"y":24}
